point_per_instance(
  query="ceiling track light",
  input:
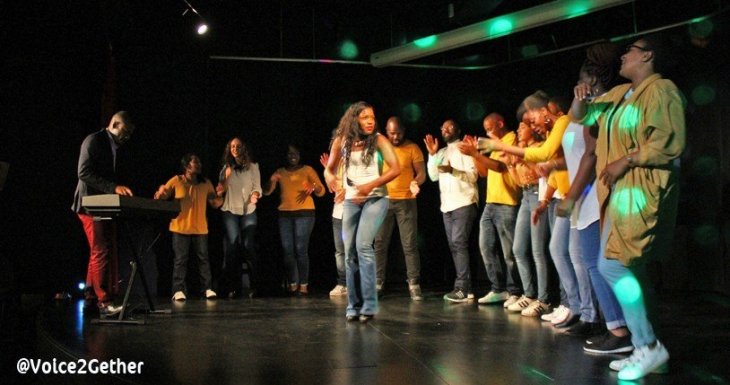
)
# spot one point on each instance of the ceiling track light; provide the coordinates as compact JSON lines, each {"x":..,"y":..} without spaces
{"x":202,"y":26}
{"x":491,"y":29}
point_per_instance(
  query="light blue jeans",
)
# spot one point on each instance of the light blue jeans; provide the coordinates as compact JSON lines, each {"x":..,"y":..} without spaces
{"x":498,"y":222}
{"x":565,"y":249}
{"x":360,"y":225}
{"x":631,"y":287}
{"x":339,"y":251}
{"x":592,"y":247}
{"x":529,"y":236}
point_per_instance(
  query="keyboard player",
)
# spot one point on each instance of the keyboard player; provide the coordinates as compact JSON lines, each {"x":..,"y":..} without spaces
{"x":100,"y":171}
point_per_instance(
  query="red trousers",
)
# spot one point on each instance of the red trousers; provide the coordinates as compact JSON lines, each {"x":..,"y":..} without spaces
{"x":102,"y":274}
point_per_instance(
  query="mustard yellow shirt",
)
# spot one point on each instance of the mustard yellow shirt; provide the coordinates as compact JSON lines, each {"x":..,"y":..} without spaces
{"x":501,"y":188}
{"x":193,"y":204}
{"x":549,"y":148}
{"x":292,"y":183}
{"x":408,"y":155}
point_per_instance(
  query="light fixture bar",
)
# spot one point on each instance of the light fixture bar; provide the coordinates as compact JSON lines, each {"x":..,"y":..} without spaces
{"x":491,"y":29}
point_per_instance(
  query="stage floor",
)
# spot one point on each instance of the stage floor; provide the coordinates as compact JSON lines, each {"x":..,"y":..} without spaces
{"x":307,"y":341}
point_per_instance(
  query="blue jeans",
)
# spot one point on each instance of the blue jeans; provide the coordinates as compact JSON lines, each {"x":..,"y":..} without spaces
{"x":295,"y":232}
{"x":239,"y":229}
{"x":565,"y":248}
{"x":592,"y":247}
{"x":499,"y":221}
{"x":529,"y":236}
{"x":181,"y":246}
{"x":339,"y":251}
{"x":360,"y":225}
{"x":458,"y":224}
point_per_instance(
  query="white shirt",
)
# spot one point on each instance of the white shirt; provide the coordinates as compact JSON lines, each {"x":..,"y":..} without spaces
{"x":240,"y":185}
{"x":586,"y":209}
{"x":458,"y":188}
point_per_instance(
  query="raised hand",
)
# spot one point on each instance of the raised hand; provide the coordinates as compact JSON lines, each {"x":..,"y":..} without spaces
{"x":468,"y":146}
{"x":432,"y":144}
{"x":324,"y":159}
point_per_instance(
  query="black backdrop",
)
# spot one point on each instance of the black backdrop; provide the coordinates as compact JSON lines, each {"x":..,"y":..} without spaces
{"x":56,"y":65}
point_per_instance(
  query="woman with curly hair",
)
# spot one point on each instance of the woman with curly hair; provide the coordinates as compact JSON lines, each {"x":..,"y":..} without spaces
{"x":240,"y":182}
{"x":363,"y":151}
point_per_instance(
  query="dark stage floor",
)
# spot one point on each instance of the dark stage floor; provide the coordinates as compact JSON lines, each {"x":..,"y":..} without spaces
{"x":308,"y":341}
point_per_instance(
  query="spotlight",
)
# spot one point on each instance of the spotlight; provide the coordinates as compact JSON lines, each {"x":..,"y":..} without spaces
{"x":202,"y":28}
{"x":82,"y":286}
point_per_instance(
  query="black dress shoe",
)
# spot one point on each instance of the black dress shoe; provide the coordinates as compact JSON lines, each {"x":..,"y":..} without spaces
{"x":569,"y":322}
{"x":365,"y":318}
{"x":584,"y":329}
{"x":352,"y":318}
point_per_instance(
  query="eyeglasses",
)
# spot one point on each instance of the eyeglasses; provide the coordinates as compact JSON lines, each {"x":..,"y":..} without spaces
{"x":640,"y":48}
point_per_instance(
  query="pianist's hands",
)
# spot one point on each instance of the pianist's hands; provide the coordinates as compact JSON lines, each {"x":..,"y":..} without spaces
{"x":123,"y":190}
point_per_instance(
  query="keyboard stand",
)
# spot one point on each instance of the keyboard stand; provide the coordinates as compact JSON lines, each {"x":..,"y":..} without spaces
{"x":136,"y":268}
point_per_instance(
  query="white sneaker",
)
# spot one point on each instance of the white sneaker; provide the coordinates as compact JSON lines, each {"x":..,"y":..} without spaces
{"x":521,"y":304}
{"x":338,"y":291}
{"x":511,"y":300}
{"x":210,"y":294}
{"x":555,"y":313}
{"x":564,"y":316}
{"x":179,"y":296}
{"x":643,"y":360}
{"x":415,"y":292}
{"x":494,"y":297}
{"x":535,"y":309}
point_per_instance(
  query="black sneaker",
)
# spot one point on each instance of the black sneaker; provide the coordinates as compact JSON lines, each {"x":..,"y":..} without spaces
{"x":608,"y":343}
{"x":584,"y":329}
{"x":459,"y":295}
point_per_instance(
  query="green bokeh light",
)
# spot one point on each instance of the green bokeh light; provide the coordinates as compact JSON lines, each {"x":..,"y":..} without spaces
{"x":703,"y":95}
{"x":348,"y":49}
{"x":706,"y":235}
{"x":627,"y":290}
{"x":474,"y":111}
{"x":426,"y":42}
{"x":628,"y":201}
{"x":411,"y":113}
{"x":499,"y":27}
{"x":568,"y":139}
{"x":701,"y":29}
{"x":706,"y":167}
{"x":577,"y":8}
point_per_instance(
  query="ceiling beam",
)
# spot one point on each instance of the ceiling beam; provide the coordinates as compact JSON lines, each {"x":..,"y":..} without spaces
{"x":491,"y":29}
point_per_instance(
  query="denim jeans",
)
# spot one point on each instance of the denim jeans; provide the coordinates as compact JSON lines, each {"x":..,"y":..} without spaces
{"x":181,"y":246}
{"x":592,"y":247}
{"x":565,"y":249}
{"x":405,"y":213}
{"x":529,"y":236}
{"x":295,"y":233}
{"x":239,"y":230}
{"x":339,"y":251}
{"x":360,"y":224}
{"x":499,"y":221}
{"x":458,"y":224}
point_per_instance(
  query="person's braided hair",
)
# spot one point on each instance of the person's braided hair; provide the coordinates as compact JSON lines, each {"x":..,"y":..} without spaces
{"x":603,"y":60}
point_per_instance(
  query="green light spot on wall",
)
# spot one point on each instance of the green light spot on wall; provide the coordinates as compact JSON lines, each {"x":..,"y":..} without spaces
{"x":568,"y":140}
{"x":627,"y":290}
{"x":701,"y":29}
{"x":474,"y":111}
{"x":499,"y":27}
{"x":707,"y":236}
{"x":411,"y":113}
{"x":628,"y":201}
{"x":349,"y":50}
{"x":426,"y":42}
{"x":577,"y":8}
{"x":529,"y":51}
{"x":703,"y":95}
{"x":706,"y":167}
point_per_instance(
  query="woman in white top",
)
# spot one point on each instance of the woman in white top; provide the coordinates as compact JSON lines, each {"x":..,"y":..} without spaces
{"x":362,"y":149}
{"x":240,"y":182}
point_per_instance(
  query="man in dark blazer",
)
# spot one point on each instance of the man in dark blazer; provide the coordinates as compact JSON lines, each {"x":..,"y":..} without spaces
{"x":99,"y":162}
